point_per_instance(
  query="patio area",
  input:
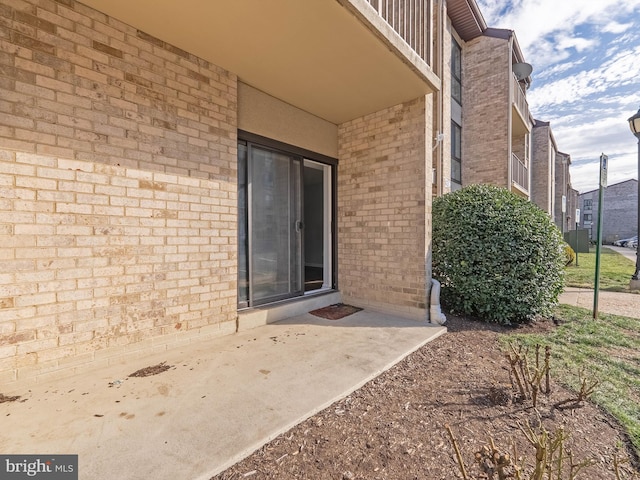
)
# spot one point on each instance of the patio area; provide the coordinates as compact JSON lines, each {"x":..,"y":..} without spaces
{"x":216,"y":402}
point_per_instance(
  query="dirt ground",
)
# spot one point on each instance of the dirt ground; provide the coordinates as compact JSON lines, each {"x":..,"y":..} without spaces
{"x":394,"y":426}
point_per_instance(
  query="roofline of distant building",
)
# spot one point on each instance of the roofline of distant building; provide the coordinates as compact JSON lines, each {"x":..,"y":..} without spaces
{"x":612,"y":185}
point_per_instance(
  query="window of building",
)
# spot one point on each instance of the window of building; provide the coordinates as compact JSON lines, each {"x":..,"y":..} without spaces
{"x":588,"y":204}
{"x":588,"y":217}
{"x":456,"y":71}
{"x":456,"y":156}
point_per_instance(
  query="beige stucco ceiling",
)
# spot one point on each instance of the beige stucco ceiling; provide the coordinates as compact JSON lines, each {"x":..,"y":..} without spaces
{"x":313,"y":54}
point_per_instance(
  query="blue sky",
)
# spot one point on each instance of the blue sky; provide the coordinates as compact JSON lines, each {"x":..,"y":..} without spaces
{"x":586,"y":77}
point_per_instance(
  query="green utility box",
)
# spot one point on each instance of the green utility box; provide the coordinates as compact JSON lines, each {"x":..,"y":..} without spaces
{"x":578,"y":239}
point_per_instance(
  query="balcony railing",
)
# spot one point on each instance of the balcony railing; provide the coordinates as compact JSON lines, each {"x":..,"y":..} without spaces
{"x":411,"y":19}
{"x":519,"y":173}
{"x":520,"y":99}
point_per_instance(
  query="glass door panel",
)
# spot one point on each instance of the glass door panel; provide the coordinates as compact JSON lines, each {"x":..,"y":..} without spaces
{"x":275,"y":225}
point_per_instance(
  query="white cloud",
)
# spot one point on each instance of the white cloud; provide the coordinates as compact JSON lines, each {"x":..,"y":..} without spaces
{"x":564,"y":42}
{"x":536,"y":21}
{"x":615,"y":27}
{"x":623,"y":69}
{"x":558,"y":69}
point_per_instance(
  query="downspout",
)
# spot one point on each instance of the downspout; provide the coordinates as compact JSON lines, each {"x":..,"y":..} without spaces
{"x":435,"y":312}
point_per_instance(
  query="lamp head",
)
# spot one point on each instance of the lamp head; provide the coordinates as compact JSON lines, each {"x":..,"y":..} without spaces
{"x":634,"y":124}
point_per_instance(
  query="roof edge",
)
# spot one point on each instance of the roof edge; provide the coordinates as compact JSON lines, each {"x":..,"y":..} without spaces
{"x":466,"y":18}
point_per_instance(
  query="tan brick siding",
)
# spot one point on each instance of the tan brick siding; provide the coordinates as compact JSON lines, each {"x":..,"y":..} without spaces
{"x":441,"y":150}
{"x":78,"y":84}
{"x":542,"y":172}
{"x":485,"y":106}
{"x":562,"y":186}
{"x":117,"y":189}
{"x":384,"y":206}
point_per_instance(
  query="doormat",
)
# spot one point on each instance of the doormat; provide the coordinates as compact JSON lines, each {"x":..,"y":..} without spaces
{"x":335,"y":312}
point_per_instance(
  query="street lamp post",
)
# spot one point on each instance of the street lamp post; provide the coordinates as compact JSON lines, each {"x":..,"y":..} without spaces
{"x":634,"y":124}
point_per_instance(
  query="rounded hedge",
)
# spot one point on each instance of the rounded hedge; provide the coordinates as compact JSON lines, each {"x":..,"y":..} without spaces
{"x":498,"y":256}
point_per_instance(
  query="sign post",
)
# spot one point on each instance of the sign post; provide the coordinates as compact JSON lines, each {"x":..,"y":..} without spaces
{"x":603,"y":184}
{"x":577,"y":224}
{"x":564,"y":211}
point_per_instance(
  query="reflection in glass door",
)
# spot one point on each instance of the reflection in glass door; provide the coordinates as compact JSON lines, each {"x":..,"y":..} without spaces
{"x":271,"y":226}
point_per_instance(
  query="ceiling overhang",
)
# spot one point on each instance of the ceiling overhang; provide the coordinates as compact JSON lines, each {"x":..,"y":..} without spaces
{"x":466,"y":18}
{"x":316,"y":55}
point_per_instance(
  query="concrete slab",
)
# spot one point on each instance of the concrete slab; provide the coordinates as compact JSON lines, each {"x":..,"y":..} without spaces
{"x":221,"y":400}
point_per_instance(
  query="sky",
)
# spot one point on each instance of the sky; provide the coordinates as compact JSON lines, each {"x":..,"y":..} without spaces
{"x":586,"y":77}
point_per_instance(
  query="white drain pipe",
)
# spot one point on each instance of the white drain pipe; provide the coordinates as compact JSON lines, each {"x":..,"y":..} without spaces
{"x":435,"y":313}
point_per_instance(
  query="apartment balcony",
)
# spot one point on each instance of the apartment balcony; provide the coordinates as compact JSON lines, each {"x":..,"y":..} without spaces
{"x":521,"y":118}
{"x":411,"y":19}
{"x":336,"y":59}
{"x":519,"y":175}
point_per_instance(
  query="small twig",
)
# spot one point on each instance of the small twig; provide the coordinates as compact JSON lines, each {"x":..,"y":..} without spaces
{"x":458,"y":454}
{"x":547,"y":369}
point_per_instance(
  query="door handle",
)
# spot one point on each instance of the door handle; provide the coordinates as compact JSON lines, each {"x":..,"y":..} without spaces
{"x":299,"y":226}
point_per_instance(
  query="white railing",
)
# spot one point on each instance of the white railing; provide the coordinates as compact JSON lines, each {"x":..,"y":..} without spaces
{"x":519,"y":172}
{"x":520,"y":99}
{"x":411,"y":19}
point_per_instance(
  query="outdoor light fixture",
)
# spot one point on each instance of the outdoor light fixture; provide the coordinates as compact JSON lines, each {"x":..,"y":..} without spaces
{"x":634,"y":124}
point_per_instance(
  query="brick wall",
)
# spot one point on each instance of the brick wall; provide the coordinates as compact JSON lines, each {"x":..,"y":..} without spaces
{"x":442,"y":102}
{"x":543,"y":158}
{"x":117,"y":190}
{"x":384,"y":207}
{"x":562,"y":182}
{"x":619,"y":218}
{"x":485,"y":107}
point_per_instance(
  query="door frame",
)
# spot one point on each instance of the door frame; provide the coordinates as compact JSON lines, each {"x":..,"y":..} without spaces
{"x":327,"y":209}
{"x":248,"y":139}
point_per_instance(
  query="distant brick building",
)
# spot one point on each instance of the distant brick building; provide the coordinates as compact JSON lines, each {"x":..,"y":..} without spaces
{"x":620,"y":211}
{"x":550,"y":177}
{"x":543,"y":163}
{"x":496,"y":122}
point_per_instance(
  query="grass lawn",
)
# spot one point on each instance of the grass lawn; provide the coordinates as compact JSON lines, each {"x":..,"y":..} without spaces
{"x":606,"y":350}
{"x":615,"y":271}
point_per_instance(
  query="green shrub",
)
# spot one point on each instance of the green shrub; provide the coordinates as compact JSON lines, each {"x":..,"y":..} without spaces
{"x":569,"y":255}
{"x":497,"y":255}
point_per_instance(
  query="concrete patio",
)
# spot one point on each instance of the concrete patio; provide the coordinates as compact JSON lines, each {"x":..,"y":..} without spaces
{"x":219,"y":401}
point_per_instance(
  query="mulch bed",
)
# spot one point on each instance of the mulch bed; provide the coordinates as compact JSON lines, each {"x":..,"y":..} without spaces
{"x":394,"y":427}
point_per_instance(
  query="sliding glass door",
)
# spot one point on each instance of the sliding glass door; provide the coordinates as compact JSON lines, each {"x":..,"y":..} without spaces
{"x":284,"y":232}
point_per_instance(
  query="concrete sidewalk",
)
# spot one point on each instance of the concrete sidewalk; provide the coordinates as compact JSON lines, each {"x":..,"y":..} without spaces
{"x":629,"y":253}
{"x":617,"y":303}
{"x":221,"y":400}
